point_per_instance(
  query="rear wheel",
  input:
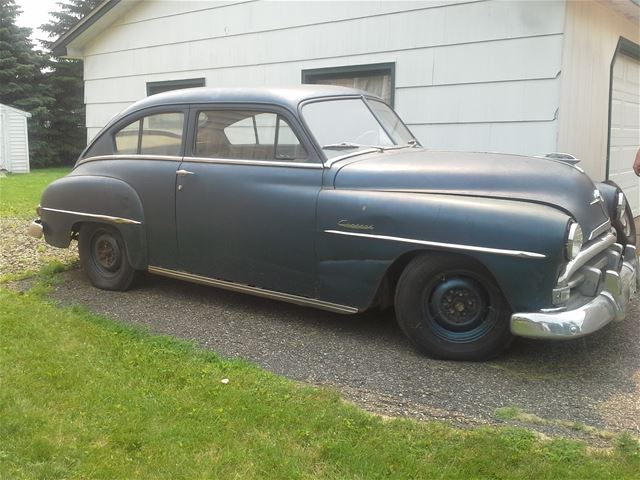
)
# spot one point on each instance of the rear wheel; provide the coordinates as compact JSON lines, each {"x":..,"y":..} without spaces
{"x":451,"y":308}
{"x":103,"y":257}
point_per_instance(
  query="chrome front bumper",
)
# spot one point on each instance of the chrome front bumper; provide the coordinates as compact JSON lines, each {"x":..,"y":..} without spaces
{"x":610,"y":304}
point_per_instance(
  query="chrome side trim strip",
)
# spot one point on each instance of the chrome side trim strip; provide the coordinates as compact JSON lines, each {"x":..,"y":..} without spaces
{"x":333,"y":160}
{"x":108,"y":218}
{"x":261,"y":163}
{"x":164,"y":158}
{"x":600,"y":229}
{"x":259,"y":292}
{"x":453,"y":246}
{"x":229,"y":161}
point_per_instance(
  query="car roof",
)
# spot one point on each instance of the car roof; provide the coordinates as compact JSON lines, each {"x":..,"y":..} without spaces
{"x":288,"y":97}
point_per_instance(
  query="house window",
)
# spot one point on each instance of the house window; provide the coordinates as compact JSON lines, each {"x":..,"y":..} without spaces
{"x":377,"y":79}
{"x":165,"y":86}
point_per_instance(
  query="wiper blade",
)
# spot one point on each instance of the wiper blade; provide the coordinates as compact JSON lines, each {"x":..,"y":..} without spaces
{"x":342,"y":146}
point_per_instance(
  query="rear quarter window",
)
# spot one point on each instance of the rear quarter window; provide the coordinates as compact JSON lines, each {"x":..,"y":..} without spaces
{"x":158,"y":134}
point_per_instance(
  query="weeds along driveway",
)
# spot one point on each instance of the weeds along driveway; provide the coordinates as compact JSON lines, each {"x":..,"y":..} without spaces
{"x":593,"y":381}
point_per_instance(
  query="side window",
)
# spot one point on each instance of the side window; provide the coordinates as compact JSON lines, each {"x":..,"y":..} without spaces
{"x":246,"y":135}
{"x":127,"y":139}
{"x":162,"y":134}
{"x":242,"y":132}
{"x":158,"y":134}
{"x":288,"y":146}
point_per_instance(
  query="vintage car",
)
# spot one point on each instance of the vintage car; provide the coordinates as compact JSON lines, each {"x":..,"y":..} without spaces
{"x":321,"y":196}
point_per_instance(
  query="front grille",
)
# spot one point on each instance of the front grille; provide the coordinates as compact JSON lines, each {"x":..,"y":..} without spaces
{"x":583,"y":277}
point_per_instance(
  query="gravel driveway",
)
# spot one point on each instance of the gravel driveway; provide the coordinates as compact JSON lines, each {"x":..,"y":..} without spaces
{"x":19,"y":252}
{"x":593,"y":381}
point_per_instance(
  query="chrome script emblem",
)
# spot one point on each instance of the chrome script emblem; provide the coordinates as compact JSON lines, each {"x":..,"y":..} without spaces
{"x":354,"y":226}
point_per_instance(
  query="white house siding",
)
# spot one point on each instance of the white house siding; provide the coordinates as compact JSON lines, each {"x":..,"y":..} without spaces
{"x":591,"y":36}
{"x":14,"y":141}
{"x":480,"y":75}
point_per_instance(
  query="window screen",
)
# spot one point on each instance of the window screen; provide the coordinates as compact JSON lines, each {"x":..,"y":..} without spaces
{"x":376,"y":79}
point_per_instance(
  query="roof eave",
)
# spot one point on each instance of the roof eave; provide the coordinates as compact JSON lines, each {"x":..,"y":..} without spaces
{"x":63,"y":47}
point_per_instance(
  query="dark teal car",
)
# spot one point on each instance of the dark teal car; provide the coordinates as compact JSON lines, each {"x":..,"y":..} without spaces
{"x":322,"y":197}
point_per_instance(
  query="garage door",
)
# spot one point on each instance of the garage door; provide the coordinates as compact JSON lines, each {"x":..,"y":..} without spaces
{"x":625,"y":127}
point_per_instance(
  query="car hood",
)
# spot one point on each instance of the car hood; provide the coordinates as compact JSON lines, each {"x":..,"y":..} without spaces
{"x":540,"y":180}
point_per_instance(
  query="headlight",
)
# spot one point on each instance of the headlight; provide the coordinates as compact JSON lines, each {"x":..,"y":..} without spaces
{"x":621,"y":206}
{"x":574,"y":240}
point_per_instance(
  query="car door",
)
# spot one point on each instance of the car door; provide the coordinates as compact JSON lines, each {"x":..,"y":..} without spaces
{"x":144,"y":150}
{"x":246,"y":199}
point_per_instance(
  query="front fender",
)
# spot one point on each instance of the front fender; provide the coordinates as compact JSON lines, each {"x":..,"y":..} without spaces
{"x":609,"y":191}
{"x":361,"y":233}
{"x":76,"y":199}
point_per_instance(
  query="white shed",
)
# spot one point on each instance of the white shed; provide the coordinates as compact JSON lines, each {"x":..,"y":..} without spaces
{"x":14,"y":140}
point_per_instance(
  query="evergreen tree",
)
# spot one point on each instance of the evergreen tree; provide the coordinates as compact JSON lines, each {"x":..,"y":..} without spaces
{"x":22,"y":82}
{"x":67,"y":133}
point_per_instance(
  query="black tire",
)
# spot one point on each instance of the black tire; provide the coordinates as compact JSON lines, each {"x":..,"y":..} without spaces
{"x":103,"y":257}
{"x":451,"y":308}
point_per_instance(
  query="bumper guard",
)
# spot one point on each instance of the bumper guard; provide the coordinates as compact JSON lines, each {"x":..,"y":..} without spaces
{"x":610,"y":304}
{"x":35,"y":229}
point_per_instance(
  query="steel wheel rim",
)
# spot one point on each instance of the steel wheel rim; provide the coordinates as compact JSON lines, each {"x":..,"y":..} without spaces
{"x":458,"y":308}
{"x":106,"y":252}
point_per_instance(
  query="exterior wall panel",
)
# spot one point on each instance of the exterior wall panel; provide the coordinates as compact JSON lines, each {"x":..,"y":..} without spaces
{"x":591,"y":37}
{"x":465,"y":71}
{"x":519,"y":137}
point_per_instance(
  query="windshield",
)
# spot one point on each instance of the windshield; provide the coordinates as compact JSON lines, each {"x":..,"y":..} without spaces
{"x":347,"y":125}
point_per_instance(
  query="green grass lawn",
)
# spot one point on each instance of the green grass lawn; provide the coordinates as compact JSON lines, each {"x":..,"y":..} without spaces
{"x":20,"y":193}
{"x":85,"y":397}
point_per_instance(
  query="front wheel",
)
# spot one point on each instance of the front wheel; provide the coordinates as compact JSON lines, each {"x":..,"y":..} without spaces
{"x":451,"y":308}
{"x":103,"y":257}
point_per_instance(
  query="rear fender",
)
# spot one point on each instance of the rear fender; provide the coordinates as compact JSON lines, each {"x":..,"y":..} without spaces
{"x":73,"y":200}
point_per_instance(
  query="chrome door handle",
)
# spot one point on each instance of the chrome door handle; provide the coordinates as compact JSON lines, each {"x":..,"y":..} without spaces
{"x":183,"y":173}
